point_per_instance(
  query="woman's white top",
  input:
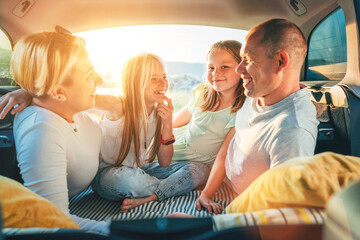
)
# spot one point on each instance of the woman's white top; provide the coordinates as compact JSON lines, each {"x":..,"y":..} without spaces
{"x":55,"y":161}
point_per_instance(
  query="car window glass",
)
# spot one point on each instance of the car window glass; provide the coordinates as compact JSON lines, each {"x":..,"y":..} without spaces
{"x":327,"y":55}
{"x":5,"y":56}
{"x":182,"y":47}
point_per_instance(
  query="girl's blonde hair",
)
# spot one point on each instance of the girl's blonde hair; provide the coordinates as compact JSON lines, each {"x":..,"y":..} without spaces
{"x":42,"y":61}
{"x":136,"y":76}
{"x":211,"y":96}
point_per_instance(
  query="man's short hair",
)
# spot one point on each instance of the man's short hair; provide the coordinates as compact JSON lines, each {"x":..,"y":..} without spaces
{"x":281,"y":34}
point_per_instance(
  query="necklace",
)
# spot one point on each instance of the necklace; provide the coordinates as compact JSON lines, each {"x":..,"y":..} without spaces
{"x":73,"y":126}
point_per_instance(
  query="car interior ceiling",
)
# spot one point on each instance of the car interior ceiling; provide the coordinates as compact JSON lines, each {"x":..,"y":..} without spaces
{"x":233,"y":14}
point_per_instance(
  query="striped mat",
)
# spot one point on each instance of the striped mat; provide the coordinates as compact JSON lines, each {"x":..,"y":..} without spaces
{"x":90,"y":205}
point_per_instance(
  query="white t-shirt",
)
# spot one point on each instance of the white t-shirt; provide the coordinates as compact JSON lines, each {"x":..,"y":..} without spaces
{"x":112,"y":138}
{"x":55,"y":161}
{"x":273,"y":134}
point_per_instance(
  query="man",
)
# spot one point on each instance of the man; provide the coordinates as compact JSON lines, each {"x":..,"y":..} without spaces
{"x":283,"y":121}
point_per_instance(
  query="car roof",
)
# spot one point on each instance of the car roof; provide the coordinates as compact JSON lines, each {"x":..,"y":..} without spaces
{"x":81,"y":15}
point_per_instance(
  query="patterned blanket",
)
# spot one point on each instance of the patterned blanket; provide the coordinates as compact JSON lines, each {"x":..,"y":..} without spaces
{"x":90,"y":205}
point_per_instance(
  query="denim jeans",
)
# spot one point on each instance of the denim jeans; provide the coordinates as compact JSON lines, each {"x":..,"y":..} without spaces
{"x":116,"y":183}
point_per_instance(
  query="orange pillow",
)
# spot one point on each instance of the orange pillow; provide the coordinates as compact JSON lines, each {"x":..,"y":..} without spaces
{"x":298,"y":182}
{"x":22,"y":208}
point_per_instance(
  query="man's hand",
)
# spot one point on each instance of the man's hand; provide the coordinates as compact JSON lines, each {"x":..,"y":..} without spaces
{"x":209,"y":204}
{"x":18,"y":97}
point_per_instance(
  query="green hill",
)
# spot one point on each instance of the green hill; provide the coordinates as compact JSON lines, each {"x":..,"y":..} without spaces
{"x":5,"y":75}
{"x":5,"y":55}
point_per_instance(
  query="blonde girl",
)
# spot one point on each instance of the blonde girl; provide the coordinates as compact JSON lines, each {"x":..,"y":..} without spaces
{"x":137,"y":130}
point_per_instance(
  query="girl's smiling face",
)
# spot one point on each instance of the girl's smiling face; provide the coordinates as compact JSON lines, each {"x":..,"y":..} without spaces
{"x":221,"y":71}
{"x":156,"y":88}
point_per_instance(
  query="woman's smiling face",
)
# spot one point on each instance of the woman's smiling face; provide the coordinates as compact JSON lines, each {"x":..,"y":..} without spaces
{"x":82,"y":82}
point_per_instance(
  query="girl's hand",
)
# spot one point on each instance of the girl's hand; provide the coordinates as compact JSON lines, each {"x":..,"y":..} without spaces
{"x":166,"y":112}
{"x":210,"y":205}
{"x":166,"y":151}
{"x":8,"y":101}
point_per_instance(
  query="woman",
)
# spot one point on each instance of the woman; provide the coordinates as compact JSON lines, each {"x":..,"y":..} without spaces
{"x":57,"y":144}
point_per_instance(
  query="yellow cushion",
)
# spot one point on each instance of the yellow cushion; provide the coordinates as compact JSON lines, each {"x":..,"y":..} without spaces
{"x":299,"y":182}
{"x":22,"y":208}
{"x":272,"y":216}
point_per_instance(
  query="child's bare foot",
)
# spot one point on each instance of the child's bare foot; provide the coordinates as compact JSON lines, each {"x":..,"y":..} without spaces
{"x":130,"y":203}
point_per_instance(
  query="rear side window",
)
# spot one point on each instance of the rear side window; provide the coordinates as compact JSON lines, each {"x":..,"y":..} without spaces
{"x":182,"y":47}
{"x":327,"y":55}
{"x":5,"y":55}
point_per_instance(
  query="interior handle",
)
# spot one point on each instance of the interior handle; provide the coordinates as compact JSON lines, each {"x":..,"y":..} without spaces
{"x":5,"y":141}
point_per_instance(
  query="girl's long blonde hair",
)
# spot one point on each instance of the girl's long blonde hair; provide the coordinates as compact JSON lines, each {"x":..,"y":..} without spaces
{"x":211,"y":96}
{"x":136,"y":75}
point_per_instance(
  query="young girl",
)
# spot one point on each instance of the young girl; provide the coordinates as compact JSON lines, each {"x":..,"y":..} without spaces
{"x":134,"y":133}
{"x":202,"y":125}
{"x":208,"y":120}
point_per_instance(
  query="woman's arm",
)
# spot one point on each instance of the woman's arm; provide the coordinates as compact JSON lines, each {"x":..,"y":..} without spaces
{"x":183,"y":117}
{"x":104,"y":100}
{"x":166,"y":151}
{"x":216,"y":177}
{"x":42,"y":161}
{"x":111,"y":103}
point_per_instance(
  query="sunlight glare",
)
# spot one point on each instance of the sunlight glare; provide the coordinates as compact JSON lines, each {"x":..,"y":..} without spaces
{"x":110,"y":48}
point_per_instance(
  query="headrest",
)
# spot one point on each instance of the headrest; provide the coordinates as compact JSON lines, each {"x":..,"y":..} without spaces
{"x":333,"y":96}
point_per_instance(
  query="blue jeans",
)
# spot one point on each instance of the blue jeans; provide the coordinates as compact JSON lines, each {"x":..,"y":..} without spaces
{"x":116,"y":183}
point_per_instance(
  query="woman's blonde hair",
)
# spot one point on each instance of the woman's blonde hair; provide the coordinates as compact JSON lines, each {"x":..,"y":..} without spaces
{"x":42,"y":61}
{"x":136,"y":76}
{"x":211,"y":96}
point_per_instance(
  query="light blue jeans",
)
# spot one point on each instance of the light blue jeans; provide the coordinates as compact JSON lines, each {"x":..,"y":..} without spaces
{"x":117,"y":183}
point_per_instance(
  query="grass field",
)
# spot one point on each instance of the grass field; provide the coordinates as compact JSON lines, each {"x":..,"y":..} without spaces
{"x":179,"y":98}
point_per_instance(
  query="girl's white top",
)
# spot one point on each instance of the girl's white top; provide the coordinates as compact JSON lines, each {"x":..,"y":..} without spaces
{"x":112,"y":138}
